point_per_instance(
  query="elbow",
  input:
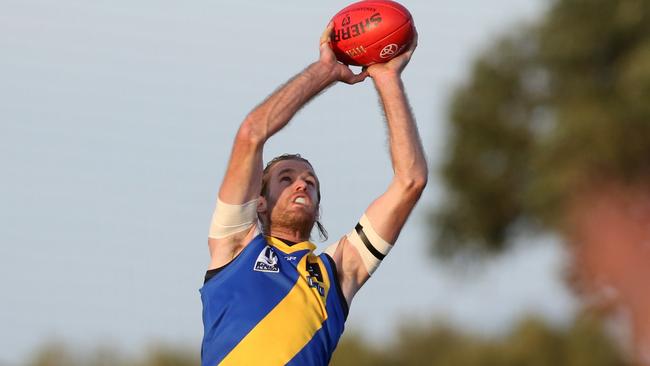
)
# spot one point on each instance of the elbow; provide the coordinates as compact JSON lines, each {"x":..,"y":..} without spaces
{"x":419,"y":183}
{"x":413,"y":185}
{"x":250,"y":133}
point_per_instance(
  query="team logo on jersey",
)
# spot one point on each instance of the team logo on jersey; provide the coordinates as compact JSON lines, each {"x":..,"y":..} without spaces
{"x":267,"y":261}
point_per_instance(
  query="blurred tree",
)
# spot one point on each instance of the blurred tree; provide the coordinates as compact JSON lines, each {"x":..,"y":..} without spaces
{"x":54,"y":353}
{"x":171,"y":356}
{"x":487,"y":167}
{"x":531,"y":343}
{"x":58,"y":354}
{"x":547,"y":110}
{"x":353,"y":351}
{"x":553,"y":119}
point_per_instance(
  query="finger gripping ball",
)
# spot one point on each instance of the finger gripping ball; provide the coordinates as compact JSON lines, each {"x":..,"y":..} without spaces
{"x":371,"y":31}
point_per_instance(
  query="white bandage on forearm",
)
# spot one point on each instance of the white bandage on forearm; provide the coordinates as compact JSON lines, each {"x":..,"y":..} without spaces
{"x":230,"y":219}
{"x":371,"y":247}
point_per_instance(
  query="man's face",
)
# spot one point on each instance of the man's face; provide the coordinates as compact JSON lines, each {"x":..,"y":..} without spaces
{"x":292,"y":195}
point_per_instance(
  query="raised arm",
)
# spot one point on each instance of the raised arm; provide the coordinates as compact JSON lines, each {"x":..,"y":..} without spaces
{"x":241,"y":185}
{"x":385,"y":217}
{"x":389,"y":212}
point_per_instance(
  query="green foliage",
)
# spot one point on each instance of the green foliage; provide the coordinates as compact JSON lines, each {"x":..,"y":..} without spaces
{"x":59,"y":354}
{"x":53,"y":354}
{"x":531,"y":343}
{"x":167,"y":356}
{"x":547,"y":110}
{"x":353,"y":351}
{"x":489,"y":150}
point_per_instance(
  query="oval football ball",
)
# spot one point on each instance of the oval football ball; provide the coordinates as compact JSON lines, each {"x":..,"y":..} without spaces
{"x":371,"y":31}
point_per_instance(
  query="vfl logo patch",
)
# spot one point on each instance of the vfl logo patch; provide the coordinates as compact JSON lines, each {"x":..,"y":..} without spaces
{"x":267,"y":261}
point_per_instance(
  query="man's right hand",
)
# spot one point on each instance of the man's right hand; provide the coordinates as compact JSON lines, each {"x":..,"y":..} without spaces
{"x":339,"y":71}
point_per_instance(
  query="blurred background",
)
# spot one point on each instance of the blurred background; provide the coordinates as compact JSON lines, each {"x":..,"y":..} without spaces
{"x":530,"y":245}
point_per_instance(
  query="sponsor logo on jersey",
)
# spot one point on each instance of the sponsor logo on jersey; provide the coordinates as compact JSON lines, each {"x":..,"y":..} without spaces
{"x":267,"y":261}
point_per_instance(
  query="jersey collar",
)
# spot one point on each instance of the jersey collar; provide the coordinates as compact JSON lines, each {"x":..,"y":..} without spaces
{"x":305,"y":245}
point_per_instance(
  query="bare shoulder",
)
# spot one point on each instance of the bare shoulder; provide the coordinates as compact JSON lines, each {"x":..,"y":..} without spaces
{"x":351,"y":272}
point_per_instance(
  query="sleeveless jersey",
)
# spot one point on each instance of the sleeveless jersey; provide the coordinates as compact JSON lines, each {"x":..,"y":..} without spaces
{"x":274,"y":304}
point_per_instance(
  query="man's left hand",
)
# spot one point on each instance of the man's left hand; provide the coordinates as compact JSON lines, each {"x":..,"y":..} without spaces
{"x":395,"y":66}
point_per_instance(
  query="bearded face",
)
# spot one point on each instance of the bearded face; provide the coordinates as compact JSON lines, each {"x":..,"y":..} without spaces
{"x":292,"y":198}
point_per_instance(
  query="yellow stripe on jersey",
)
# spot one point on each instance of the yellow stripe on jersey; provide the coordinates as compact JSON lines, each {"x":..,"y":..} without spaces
{"x":286,"y":329}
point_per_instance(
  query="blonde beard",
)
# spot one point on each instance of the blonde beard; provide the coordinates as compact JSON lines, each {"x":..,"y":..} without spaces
{"x":291,"y":221}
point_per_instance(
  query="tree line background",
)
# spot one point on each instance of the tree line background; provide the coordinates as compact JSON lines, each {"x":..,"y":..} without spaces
{"x":531,"y":342}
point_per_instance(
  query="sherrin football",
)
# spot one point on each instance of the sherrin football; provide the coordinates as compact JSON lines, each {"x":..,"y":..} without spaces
{"x":371,"y":31}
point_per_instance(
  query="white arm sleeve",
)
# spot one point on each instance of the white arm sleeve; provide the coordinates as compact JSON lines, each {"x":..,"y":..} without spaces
{"x":230,"y":219}
{"x":371,"y":247}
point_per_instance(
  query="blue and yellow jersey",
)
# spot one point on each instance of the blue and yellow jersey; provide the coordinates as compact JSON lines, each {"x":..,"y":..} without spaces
{"x":274,"y":304}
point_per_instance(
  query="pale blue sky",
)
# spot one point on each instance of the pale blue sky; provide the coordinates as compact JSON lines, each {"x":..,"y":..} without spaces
{"x":116,"y":120}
